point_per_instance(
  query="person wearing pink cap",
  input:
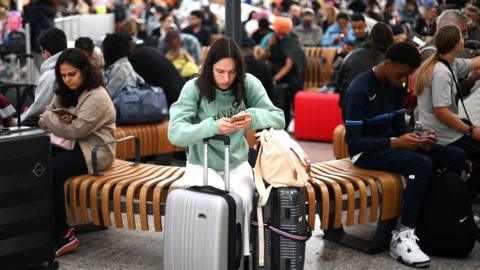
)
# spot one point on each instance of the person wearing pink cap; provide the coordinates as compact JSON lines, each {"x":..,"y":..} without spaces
{"x":287,"y":61}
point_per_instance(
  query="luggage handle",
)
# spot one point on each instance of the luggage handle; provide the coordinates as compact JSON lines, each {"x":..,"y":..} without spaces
{"x":226,"y":173}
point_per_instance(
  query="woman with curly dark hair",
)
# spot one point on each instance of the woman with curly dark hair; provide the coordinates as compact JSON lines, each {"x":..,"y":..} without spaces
{"x":80,"y":116}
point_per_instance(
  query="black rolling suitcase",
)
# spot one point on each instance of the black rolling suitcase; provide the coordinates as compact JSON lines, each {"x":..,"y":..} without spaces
{"x":26,"y":199}
{"x":286,"y":230}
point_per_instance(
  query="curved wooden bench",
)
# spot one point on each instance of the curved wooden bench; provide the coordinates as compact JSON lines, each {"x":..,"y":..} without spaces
{"x":311,"y":78}
{"x":328,"y":55}
{"x":340,"y":148}
{"x":126,"y":188}
{"x":380,"y":191}
{"x":154,"y":140}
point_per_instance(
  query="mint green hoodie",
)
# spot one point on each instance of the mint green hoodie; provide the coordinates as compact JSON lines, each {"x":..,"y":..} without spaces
{"x":189,"y":124}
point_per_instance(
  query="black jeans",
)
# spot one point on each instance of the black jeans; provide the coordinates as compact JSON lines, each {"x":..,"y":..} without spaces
{"x":65,"y":164}
{"x":417,"y":166}
{"x":472,"y":148}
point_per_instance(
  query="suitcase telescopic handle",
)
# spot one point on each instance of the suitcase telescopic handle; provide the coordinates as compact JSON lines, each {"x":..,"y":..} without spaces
{"x":226,"y":174}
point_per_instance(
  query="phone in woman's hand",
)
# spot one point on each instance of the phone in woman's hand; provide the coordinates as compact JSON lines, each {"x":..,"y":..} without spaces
{"x":237,"y":118}
{"x":61,"y":112}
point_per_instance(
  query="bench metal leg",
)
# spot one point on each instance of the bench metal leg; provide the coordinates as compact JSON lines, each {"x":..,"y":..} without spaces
{"x":89,"y":227}
{"x":379,"y":243}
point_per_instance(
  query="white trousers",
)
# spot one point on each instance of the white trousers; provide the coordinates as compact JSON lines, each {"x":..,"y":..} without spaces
{"x":241,"y":182}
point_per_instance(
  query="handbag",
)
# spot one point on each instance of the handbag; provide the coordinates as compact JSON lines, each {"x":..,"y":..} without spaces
{"x":62,"y":142}
{"x":141,"y":104}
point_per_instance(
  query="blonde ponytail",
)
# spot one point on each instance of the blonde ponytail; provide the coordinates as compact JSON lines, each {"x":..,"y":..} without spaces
{"x":424,"y":74}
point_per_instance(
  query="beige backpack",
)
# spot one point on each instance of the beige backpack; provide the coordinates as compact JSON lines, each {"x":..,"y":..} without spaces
{"x":281,"y":162}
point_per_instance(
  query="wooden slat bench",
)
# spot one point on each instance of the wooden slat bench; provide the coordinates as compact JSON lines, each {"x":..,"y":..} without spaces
{"x":351,"y":189}
{"x":127,"y":187}
{"x":372,"y":196}
{"x":153,"y":137}
{"x":154,"y":140}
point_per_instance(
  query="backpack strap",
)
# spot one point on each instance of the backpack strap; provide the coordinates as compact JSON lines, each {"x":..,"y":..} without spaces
{"x":459,"y":89}
{"x":264,"y":194}
{"x":261,"y":195}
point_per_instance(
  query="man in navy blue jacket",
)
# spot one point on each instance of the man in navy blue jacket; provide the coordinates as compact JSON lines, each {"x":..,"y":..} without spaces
{"x":378,"y":139}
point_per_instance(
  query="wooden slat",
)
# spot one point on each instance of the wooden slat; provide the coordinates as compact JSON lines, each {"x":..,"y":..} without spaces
{"x":323,"y":196}
{"x":146,"y":191}
{"x":87,"y":183}
{"x":391,"y":185}
{"x":312,"y":203}
{"x":132,"y":193}
{"x":369,"y":181}
{"x":347,"y":188}
{"x":358,"y":184}
{"x":159,"y":195}
{"x":153,"y":137}
{"x":328,"y":54}
{"x":121,"y":187}
{"x":337,"y":196}
{"x":96,"y":191}
{"x":73,"y":184}
{"x":340,"y":149}
{"x":142,"y":171}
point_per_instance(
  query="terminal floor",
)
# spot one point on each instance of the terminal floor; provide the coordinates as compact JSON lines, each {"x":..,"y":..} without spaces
{"x":128,"y":250}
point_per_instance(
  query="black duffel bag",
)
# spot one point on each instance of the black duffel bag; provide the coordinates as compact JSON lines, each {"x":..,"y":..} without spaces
{"x":140,"y":105}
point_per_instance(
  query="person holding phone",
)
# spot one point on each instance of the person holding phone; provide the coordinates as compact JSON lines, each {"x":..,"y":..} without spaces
{"x":339,"y":32}
{"x":378,"y":139}
{"x":82,"y":111}
{"x":224,"y":100}
{"x":436,"y":88}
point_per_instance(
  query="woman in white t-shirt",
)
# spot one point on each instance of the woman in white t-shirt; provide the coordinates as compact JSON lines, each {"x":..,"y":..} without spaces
{"x":436,"y":89}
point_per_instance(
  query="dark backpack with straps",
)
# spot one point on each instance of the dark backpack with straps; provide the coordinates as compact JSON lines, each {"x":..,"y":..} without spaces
{"x":446,"y":226}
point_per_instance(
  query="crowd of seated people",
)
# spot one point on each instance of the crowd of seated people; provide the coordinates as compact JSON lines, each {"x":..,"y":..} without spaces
{"x":378,"y":48}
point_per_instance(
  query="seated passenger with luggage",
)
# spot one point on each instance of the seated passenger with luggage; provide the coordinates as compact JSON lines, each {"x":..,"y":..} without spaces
{"x":438,"y":91}
{"x":211,"y":104}
{"x":80,"y":116}
{"x":119,"y":72}
{"x":377,"y":139}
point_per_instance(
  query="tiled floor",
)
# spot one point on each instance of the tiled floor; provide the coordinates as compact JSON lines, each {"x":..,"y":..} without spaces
{"x":124,"y":249}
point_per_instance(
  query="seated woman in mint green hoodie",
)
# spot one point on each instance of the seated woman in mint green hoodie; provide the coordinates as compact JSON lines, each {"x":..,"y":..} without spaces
{"x":205,"y":108}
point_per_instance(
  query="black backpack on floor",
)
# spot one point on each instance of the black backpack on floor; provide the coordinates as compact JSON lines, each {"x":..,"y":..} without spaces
{"x":446,"y":226}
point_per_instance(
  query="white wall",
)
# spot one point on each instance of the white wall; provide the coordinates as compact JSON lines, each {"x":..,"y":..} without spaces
{"x":93,"y":26}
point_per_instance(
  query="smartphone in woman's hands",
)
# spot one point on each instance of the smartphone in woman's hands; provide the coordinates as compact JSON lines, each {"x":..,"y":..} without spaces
{"x":237,"y":118}
{"x":62,"y":112}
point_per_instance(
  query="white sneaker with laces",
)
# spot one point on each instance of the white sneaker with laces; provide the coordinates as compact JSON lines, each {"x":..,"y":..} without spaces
{"x":404,"y":248}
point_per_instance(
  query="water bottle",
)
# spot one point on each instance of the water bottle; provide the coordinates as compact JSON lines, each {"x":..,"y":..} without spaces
{"x":418,"y":128}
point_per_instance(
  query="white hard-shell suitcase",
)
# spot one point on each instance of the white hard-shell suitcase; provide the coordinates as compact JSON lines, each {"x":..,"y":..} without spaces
{"x":204,"y":225}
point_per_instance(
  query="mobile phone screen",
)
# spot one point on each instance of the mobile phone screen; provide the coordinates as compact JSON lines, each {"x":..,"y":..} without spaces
{"x":238,"y":118}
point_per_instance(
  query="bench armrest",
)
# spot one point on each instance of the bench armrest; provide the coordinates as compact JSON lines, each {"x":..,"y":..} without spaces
{"x":97,"y":146}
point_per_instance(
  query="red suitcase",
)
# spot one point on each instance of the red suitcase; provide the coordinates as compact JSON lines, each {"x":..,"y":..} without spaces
{"x":316,"y":115}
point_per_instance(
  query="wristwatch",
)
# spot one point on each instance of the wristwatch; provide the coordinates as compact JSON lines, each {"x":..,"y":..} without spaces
{"x":470,"y":131}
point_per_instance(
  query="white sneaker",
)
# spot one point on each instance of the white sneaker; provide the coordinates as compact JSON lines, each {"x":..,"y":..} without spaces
{"x":404,"y":248}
